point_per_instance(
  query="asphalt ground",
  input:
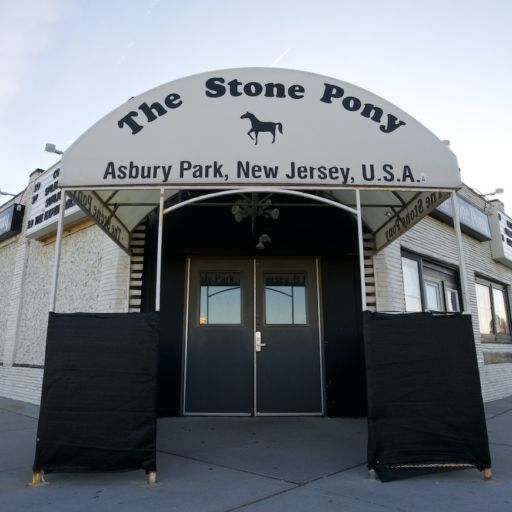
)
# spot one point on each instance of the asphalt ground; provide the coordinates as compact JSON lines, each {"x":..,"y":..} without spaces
{"x":252,"y":464}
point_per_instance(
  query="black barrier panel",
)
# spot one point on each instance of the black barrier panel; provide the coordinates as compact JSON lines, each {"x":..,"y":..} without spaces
{"x":425,"y":409}
{"x":98,"y":403}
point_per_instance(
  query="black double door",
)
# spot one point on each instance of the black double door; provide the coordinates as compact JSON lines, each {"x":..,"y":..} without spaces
{"x":252,"y":337}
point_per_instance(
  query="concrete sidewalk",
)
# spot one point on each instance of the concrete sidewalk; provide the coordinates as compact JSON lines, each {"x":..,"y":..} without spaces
{"x":252,"y":464}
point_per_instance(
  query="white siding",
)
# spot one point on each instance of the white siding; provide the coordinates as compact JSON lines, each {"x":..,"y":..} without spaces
{"x":436,"y":240}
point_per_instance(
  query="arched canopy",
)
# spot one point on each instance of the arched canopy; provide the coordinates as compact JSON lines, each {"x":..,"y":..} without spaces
{"x":259,"y":127}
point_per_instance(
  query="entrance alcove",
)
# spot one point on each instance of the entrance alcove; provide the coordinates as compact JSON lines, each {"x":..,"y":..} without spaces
{"x":304,"y":228}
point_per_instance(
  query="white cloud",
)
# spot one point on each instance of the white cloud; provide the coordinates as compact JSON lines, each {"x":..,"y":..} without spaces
{"x":152,"y":6}
{"x":26,"y":27}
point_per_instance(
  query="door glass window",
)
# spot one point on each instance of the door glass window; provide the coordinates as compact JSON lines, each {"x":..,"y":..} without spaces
{"x":285,"y":299}
{"x":220,"y":298}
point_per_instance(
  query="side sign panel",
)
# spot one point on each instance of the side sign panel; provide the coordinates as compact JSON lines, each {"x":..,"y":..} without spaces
{"x":501,"y":241}
{"x":45,"y":205}
{"x":473,"y":221}
{"x":11,"y":221}
{"x":408,"y":216}
{"x":104,"y":216}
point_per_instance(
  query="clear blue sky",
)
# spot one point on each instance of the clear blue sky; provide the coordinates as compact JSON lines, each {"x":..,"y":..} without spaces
{"x":65,"y":64}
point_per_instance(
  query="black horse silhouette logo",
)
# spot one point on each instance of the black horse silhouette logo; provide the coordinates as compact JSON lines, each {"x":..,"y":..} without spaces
{"x":258,"y":126}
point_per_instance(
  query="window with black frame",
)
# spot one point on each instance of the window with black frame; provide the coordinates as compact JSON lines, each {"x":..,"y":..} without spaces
{"x":493,"y":311}
{"x":429,"y":286}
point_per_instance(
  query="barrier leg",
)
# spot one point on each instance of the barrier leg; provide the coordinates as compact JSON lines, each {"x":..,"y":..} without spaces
{"x":151,"y":477}
{"x":37,"y":478}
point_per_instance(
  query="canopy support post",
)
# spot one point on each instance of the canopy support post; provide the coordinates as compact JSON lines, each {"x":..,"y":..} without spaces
{"x":361,"y":249}
{"x":58,"y":246}
{"x":159,"y":250}
{"x":460,"y":247}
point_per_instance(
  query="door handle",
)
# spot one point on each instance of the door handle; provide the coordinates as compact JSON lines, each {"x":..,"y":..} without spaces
{"x":257,"y":339}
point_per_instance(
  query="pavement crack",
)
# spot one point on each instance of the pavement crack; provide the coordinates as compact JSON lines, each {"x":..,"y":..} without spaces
{"x":225,"y":466}
{"x":501,"y":444}
{"x":2,"y":409}
{"x":499,"y":414}
{"x":336,"y":472}
{"x":28,"y":429}
{"x":354,"y":499}
{"x":259,"y":500}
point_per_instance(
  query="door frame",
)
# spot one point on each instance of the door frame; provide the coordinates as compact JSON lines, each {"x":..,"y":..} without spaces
{"x":321,"y":361}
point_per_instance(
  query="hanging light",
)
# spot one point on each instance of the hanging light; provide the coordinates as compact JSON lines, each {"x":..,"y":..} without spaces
{"x":243,"y":208}
{"x":262,"y":240}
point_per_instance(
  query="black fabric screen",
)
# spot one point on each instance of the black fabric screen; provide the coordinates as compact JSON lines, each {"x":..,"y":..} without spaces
{"x":424,"y":398}
{"x":98,"y":403}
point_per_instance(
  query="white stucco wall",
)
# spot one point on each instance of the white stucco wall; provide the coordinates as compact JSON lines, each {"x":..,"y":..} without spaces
{"x":78,"y":289}
{"x":8,"y":250}
{"x":93,"y":277}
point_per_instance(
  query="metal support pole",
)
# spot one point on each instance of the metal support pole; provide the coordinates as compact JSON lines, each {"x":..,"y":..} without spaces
{"x":361,"y":249}
{"x":462,"y":261}
{"x":159,"y":250}
{"x":58,"y":246}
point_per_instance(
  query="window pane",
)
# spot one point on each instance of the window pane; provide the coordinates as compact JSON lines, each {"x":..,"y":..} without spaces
{"x":452,"y":300}
{"x":285,"y":299}
{"x":483,"y":300}
{"x":220,"y":299}
{"x":433,"y":296}
{"x":411,"y":285}
{"x":500,"y":312}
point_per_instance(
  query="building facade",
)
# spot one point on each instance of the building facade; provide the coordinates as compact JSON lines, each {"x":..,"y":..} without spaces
{"x":262,"y":212}
{"x":418,"y":271}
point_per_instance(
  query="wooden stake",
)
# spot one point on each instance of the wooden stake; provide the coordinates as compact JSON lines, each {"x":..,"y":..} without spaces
{"x":487,"y":474}
{"x":37,"y":478}
{"x":151,"y":477}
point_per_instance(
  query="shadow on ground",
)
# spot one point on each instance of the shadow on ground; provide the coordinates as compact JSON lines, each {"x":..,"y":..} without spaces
{"x":252,"y":464}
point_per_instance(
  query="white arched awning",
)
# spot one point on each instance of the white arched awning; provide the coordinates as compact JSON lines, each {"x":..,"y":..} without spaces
{"x":259,"y":127}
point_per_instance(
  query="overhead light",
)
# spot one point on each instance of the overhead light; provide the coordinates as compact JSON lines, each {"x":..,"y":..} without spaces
{"x":2,"y":193}
{"x":244,"y":208}
{"x":262,"y":240}
{"x":273,"y":214}
{"x":496,"y":192}
{"x":52,"y":149}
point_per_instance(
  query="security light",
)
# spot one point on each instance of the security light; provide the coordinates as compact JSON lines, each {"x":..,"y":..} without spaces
{"x":52,"y":149}
{"x":496,"y":192}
